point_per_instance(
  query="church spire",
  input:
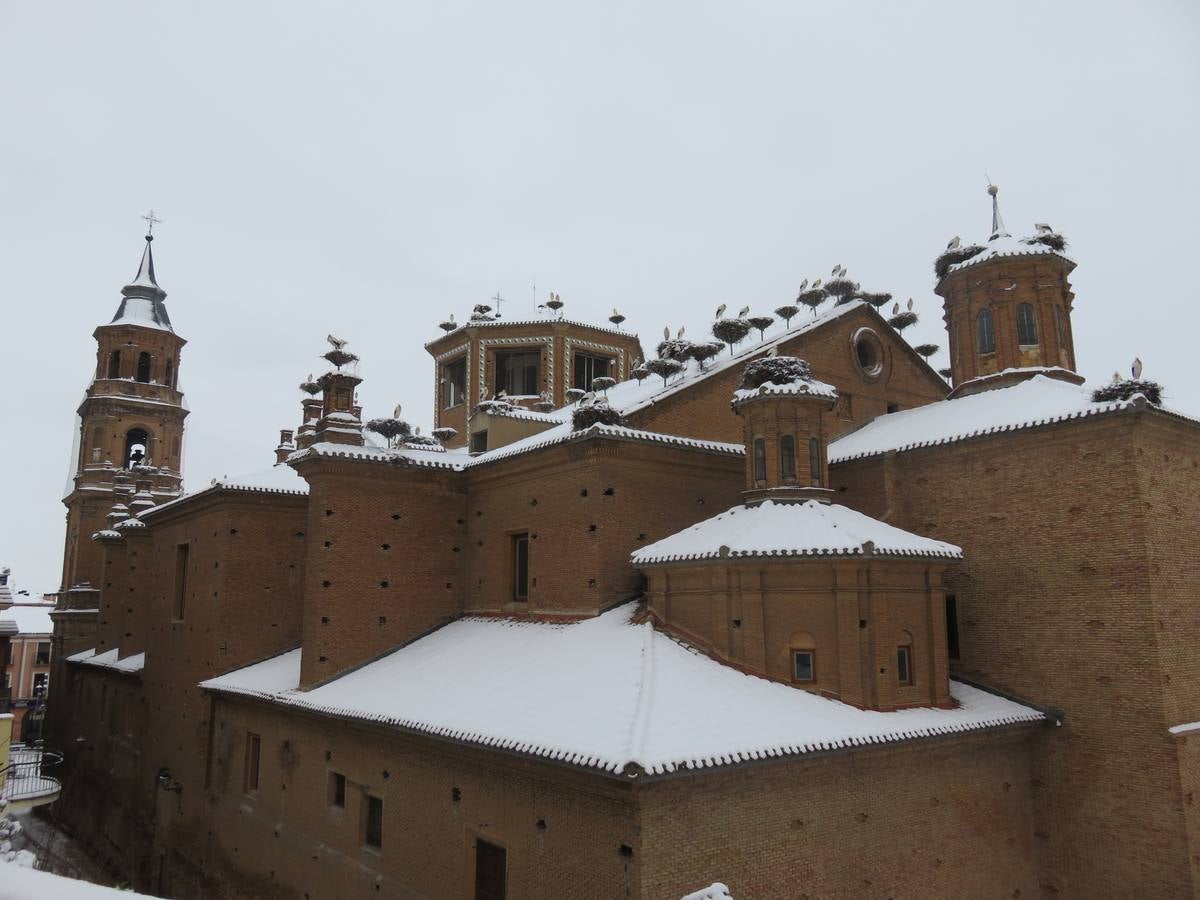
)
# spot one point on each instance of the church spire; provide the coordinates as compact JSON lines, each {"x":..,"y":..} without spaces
{"x":142,"y":299}
{"x":998,"y":229}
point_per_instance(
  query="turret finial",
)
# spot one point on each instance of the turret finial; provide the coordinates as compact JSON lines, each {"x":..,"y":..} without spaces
{"x":998,"y":229}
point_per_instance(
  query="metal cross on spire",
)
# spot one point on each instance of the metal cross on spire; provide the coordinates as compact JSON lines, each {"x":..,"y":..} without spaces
{"x":151,"y":220}
{"x":498,"y":300}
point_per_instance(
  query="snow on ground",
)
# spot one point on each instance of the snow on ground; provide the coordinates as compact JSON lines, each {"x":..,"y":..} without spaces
{"x":609,"y":693}
{"x":807,"y":528}
{"x":20,"y":882}
{"x":1036,"y":401}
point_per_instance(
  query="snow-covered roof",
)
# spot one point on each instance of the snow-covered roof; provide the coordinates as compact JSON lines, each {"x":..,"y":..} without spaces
{"x":30,"y":618}
{"x":145,"y":312}
{"x":1007,"y":245}
{"x":1036,"y":401}
{"x":460,"y":460}
{"x":609,"y":693}
{"x":21,"y":882}
{"x":131,"y":664}
{"x":803,"y":528}
{"x":715,"y":891}
{"x":280,"y":479}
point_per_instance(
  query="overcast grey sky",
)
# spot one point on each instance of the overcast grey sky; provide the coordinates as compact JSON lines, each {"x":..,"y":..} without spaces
{"x":366,"y":169}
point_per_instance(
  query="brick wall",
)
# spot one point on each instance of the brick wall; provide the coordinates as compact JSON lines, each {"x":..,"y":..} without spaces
{"x":1064,"y":599}
{"x":943,"y":818}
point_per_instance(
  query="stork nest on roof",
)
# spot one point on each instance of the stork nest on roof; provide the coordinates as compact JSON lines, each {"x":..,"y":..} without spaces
{"x":1123,"y":390}
{"x":948,"y":258}
{"x":776,"y":370}
{"x":813,"y":297}
{"x":596,"y":414}
{"x":840,"y":286}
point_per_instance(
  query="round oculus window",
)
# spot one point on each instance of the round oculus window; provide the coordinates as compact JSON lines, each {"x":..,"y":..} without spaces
{"x":868,"y":352}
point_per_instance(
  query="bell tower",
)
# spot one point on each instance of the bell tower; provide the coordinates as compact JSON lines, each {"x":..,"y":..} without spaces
{"x":131,"y":418}
{"x":1007,"y":306}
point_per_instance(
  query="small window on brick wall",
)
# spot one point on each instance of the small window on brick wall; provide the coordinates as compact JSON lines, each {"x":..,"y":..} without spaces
{"x":904,"y":659}
{"x":520,"y":565}
{"x":787,"y":457}
{"x":760,"y":459}
{"x":337,"y":790}
{"x":373,"y":822}
{"x":952,"y":649}
{"x":250,"y":770}
{"x":803,"y":649}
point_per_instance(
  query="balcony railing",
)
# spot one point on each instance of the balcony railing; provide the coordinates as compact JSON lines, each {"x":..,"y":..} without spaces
{"x":30,"y":777}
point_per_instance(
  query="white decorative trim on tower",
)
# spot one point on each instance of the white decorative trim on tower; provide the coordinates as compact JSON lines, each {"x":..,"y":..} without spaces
{"x":548,"y":340}
{"x":618,"y":354}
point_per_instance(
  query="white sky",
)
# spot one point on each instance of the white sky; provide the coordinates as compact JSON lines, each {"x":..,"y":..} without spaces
{"x":366,"y":169}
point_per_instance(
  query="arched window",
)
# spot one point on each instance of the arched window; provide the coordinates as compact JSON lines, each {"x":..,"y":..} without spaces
{"x":114,"y":364}
{"x":169,"y":378}
{"x":143,"y":367}
{"x":137,"y":447}
{"x":1026,"y":325}
{"x":904,"y":658}
{"x":803,"y":651}
{"x":814,"y":460}
{"x":760,"y":459}
{"x":787,"y":457}
{"x":1060,"y":324}
{"x":985,"y":331}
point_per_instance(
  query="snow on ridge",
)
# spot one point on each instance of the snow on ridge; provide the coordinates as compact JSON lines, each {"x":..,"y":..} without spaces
{"x":715,"y":891}
{"x":610,"y":693}
{"x":786,"y":529}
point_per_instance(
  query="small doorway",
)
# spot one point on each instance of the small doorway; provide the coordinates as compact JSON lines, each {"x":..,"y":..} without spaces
{"x":491,"y":870}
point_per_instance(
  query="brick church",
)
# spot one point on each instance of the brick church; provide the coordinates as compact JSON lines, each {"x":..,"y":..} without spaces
{"x":800,"y":615}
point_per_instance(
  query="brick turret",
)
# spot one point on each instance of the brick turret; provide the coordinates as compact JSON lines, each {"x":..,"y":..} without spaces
{"x":1007,"y":306}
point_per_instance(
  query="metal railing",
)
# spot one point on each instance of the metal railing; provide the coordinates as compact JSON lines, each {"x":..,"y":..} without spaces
{"x":31,"y":773}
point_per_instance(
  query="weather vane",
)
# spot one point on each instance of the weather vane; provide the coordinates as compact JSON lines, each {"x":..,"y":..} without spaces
{"x":151,"y":221}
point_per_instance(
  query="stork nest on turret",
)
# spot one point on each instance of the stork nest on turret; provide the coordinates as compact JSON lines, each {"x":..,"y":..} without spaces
{"x":1051,"y":239}
{"x":941,"y":266}
{"x":776,"y":370}
{"x":1123,"y":390}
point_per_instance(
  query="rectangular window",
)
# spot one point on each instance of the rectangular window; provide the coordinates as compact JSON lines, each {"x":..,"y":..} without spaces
{"x":373,"y":825}
{"x":8,"y":653}
{"x":181,"y":567}
{"x":588,"y":367}
{"x":760,"y":460}
{"x":1060,"y":325}
{"x":7,"y":680}
{"x":491,"y":871}
{"x":804,"y":665}
{"x":43,"y":654}
{"x":517,"y":372}
{"x":787,"y":457}
{"x":814,"y":460}
{"x":337,"y":790}
{"x":904,"y":673}
{"x":520,"y":557}
{"x":479,"y":441}
{"x":454,"y":383}
{"x":39,"y":684}
{"x":250,"y":771}
{"x":952,"y":626}
{"x":1026,"y":325}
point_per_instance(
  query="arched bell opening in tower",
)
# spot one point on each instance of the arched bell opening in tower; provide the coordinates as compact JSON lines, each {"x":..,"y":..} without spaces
{"x":137,"y":443}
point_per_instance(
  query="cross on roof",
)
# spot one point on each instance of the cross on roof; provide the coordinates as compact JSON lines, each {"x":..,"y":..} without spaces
{"x":151,"y":220}
{"x":498,"y":300}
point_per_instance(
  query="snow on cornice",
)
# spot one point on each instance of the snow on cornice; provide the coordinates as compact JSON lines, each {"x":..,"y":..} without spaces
{"x":129,"y":665}
{"x":809,"y":387}
{"x":540,"y":323}
{"x":790,"y":529}
{"x":611,"y":695}
{"x":1007,"y":246}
